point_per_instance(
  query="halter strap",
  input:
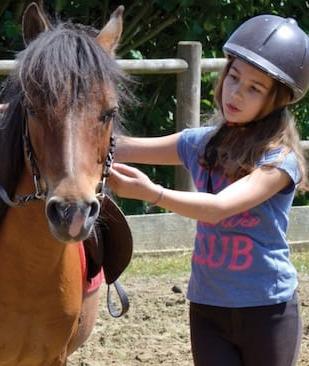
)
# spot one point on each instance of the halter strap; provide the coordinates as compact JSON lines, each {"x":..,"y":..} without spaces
{"x":106,"y":167}
{"x":39,"y":194}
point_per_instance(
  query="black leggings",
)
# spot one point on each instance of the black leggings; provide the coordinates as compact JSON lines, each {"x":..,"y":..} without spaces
{"x":252,"y":336}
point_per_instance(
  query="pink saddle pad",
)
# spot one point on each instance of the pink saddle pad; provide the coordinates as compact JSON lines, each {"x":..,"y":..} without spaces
{"x":95,"y":282}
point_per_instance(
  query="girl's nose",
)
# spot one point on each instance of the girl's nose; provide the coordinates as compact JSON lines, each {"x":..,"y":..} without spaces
{"x":237,"y":91}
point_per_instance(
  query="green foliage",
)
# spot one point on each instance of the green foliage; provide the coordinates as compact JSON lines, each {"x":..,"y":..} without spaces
{"x":152,"y":29}
{"x":10,"y":35}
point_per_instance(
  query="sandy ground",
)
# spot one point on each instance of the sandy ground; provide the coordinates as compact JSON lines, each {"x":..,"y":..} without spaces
{"x":155,"y":331}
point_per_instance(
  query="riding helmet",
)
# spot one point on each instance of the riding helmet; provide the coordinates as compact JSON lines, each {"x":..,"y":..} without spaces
{"x":277,"y":46}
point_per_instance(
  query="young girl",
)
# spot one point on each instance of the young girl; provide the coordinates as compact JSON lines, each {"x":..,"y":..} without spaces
{"x":242,"y":289}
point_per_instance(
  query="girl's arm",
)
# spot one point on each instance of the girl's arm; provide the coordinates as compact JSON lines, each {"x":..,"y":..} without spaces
{"x":238,"y":197}
{"x":153,"y":150}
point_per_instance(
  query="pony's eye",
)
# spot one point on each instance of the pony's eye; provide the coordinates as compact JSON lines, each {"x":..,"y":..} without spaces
{"x":109,"y":115}
{"x":30,"y":111}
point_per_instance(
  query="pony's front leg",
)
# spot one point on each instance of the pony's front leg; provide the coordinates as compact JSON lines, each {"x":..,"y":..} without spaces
{"x":61,"y":360}
{"x":88,"y":316}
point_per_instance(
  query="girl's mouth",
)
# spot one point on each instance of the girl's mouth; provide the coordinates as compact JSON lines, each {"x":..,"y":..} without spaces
{"x":231,"y":108}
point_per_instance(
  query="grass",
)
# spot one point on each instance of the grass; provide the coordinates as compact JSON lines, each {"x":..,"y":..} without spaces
{"x":301,"y":261}
{"x":155,"y":265}
{"x":178,"y":264}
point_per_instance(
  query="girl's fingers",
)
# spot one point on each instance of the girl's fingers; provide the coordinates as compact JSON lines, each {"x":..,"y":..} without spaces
{"x":122,"y":167}
{"x":120,"y":177}
{"x":129,"y":182}
{"x":124,"y":176}
{"x":125,"y":170}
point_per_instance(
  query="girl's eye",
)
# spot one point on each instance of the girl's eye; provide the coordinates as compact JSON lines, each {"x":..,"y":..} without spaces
{"x":109,"y":115}
{"x":232,"y":77}
{"x":256,"y":90}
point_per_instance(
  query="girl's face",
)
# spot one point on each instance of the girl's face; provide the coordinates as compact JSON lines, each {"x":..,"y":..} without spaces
{"x":245,"y":92}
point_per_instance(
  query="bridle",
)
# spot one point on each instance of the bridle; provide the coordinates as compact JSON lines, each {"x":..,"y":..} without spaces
{"x":39,"y":193}
{"x":106,"y":168}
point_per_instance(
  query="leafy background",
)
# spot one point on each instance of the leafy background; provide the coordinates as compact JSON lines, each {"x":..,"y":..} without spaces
{"x":152,"y":29}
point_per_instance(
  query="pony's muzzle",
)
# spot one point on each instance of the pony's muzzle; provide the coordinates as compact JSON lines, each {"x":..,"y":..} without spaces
{"x":71,"y":220}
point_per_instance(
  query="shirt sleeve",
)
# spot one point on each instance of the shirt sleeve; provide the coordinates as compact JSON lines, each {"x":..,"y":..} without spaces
{"x":287,"y":163}
{"x":192,"y":142}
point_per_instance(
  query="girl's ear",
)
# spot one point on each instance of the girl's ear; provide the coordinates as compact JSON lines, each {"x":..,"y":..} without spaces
{"x":110,"y":35}
{"x":34,"y":22}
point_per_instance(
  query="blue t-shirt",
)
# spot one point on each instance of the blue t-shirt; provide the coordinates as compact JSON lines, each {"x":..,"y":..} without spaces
{"x":244,"y":259}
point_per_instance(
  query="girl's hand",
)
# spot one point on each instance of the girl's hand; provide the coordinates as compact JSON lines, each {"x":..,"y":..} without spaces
{"x":130,"y":182}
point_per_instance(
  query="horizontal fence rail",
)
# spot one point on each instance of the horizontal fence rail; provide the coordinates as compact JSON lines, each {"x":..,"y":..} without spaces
{"x":169,"y":233}
{"x":152,"y":66}
{"x":6,"y":66}
{"x":149,"y":66}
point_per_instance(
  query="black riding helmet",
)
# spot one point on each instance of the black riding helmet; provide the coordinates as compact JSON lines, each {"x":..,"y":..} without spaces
{"x":277,"y":46}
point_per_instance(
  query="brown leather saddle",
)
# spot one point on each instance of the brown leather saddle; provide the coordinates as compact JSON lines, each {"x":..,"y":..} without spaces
{"x":110,"y":247}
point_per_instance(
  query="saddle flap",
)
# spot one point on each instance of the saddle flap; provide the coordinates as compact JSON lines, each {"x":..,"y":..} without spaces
{"x":111,"y":244}
{"x":116,"y":235}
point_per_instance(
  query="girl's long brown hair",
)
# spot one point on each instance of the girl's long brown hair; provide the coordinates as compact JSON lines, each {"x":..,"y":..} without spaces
{"x":237,"y":149}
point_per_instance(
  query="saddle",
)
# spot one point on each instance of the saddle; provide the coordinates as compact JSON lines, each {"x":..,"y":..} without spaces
{"x":110,"y":247}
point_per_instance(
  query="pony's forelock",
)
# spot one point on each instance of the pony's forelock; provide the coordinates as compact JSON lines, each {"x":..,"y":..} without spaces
{"x":63,"y":66}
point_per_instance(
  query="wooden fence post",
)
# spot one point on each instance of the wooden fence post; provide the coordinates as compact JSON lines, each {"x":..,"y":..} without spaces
{"x":188,"y":101}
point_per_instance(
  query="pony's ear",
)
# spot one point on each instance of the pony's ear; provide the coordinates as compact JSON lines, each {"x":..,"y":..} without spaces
{"x":111,"y":33}
{"x":34,"y":22}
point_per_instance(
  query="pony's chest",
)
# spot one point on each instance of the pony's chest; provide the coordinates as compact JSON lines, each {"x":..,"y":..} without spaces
{"x":35,"y":338}
{"x":40,"y":302}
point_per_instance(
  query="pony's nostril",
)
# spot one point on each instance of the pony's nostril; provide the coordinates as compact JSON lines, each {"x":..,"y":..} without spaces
{"x":94,"y":209}
{"x":60,"y":212}
{"x":53,"y":211}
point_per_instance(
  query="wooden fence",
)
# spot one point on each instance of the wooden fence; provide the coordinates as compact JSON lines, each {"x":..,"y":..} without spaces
{"x":169,"y":232}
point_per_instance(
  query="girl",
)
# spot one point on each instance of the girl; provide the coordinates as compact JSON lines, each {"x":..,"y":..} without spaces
{"x":242,"y":289}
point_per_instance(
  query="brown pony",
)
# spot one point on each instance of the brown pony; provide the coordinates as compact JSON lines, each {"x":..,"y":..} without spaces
{"x":54,"y":141}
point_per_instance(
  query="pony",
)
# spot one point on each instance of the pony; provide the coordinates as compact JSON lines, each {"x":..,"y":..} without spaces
{"x":56,"y":141}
